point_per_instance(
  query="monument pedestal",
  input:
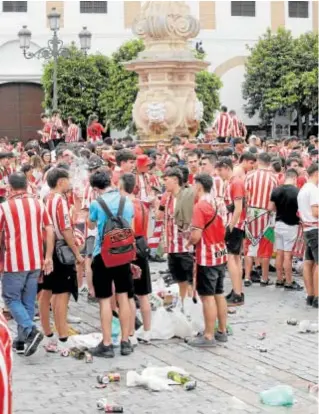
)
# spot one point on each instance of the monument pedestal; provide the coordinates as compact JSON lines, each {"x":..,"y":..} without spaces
{"x":166,"y":104}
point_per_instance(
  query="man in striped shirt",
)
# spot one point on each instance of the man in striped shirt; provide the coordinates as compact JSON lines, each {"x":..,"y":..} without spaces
{"x":223,"y":125}
{"x":4,"y":174}
{"x":260,"y":220}
{"x":180,"y":260}
{"x":62,"y":281}
{"x":238,"y":129}
{"x":73,"y":131}
{"x":208,"y":236}
{"x":22,"y":220}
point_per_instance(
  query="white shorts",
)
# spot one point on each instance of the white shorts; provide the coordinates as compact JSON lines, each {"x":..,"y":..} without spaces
{"x":285,"y":236}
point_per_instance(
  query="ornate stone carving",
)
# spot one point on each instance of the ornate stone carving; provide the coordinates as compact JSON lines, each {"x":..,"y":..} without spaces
{"x":166,"y":104}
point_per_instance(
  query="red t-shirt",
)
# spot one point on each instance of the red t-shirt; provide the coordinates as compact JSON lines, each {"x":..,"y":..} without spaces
{"x":211,"y":249}
{"x":95,"y":131}
{"x":301,"y":181}
{"x":235,"y":190}
{"x":140,"y":218}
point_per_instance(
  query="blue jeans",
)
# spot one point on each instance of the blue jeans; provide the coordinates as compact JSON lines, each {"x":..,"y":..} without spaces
{"x":19,"y":291}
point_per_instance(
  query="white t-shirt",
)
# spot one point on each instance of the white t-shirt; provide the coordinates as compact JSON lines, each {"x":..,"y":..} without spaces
{"x":308,"y":196}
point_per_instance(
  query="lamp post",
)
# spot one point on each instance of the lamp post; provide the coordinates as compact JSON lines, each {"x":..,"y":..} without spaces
{"x":55,"y":47}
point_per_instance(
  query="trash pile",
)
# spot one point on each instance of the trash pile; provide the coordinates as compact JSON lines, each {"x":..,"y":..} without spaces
{"x":304,"y":326}
{"x":160,"y":379}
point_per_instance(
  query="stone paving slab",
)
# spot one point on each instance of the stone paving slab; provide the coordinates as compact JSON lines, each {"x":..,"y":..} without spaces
{"x":229,"y":377}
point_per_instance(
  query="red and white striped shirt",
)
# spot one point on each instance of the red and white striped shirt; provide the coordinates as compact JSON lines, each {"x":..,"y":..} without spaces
{"x":94,"y":132}
{"x":22,"y":219}
{"x":238,"y":128}
{"x":223,"y":124}
{"x":211,"y":249}
{"x":175,"y":242}
{"x":259,"y":186}
{"x":59,"y":212}
{"x":5,"y":367}
{"x":47,"y":132}
{"x":72,"y":134}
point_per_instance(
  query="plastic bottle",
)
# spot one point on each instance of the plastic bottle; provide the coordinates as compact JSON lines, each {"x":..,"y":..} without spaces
{"x":180,"y":379}
{"x":281,"y":395}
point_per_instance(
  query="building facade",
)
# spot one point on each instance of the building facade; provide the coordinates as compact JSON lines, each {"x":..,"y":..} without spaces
{"x":227,"y":27}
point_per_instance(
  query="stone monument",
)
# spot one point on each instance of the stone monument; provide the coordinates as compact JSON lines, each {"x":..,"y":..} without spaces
{"x":166,"y":104}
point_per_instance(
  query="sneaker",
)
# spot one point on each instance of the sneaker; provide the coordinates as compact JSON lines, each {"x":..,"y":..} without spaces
{"x":133,"y":340}
{"x":202,"y":342}
{"x":236,"y":300}
{"x":32,"y":342}
{"x":293,"y":286}
{"x":221,"y":336}
{"x":103,"y":351}
{"x":18,"y":347}
{"x":230,"y":294}
{"x":265,"y":283}
{"x":315,"y":302}
{"x":309,"y":300}
{"x":255,"y":276}
{"x":247,"y":283}
{"x":73,"y":319}
{"x":52,"y":346}
{"x":144,"y":337}
{"x":280,"y":283}
{"x":126,"y":348}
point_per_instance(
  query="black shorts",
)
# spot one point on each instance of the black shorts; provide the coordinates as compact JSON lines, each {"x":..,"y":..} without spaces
{"x":103,"y":278}
{"x":234,"y":240}
{"x":62,"y":280}
{"x":311,"y":240}
{"x":221,"y":140}
{"x":210,"y":280}
{"x":181,"y":266}
{"x":142,"y":286}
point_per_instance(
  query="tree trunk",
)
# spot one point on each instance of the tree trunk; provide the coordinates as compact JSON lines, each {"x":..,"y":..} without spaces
{"x":299,"y":123}
{"x":307,"y":125}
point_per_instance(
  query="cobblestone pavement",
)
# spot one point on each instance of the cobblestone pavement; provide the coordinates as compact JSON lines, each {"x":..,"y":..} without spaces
{"x":229,"y":377}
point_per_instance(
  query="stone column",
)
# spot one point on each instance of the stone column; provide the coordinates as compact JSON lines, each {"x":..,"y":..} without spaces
{"x":166,"y":104}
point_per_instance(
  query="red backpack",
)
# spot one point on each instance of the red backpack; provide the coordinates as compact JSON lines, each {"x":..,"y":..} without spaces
{"x":118,"y":244}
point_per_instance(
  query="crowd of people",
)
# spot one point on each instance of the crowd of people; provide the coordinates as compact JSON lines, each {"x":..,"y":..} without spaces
{"x":88,"y":217}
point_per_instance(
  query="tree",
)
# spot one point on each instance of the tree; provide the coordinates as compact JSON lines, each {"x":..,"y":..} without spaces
{"x":270,"y":59}
{"x":300,"y":86}
{"x":207,"y":90}
{"x":118,"y":98}
{"x":80,"y":81}
{"x":282,"y":73}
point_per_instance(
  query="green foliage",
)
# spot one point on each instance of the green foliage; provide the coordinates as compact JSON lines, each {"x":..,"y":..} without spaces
{"x":281,"y":73}
{"x":80,"y":81}
{"x":118,"y":97}
{"x":102,"y":85}
{"x":207,"y":90}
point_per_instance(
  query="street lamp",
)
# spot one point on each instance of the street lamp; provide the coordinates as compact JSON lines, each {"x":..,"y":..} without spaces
{"x":55,"y":47}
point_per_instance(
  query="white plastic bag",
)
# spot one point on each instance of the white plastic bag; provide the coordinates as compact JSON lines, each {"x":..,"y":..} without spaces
{"x":194,"y":311}
{"x":162,"y":325}
{"x":182,"y":327}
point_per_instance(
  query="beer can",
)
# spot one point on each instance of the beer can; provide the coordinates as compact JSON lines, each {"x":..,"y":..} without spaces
{"x":65,"y":353}
{"x":114,"y":377}
{"x":102,"y":379}
{"x":101,"y":403}
{"x":190,"y":385}
{"x":88,"y":358}
{"x":113,"y":409}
